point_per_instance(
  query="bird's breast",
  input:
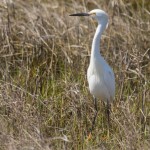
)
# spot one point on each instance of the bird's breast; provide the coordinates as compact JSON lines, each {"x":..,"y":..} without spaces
{"x":97,"y":88}
{"x":97,"y":83}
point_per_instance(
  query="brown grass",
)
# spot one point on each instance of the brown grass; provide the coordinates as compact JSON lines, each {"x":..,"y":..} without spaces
{"x":44,"y":54}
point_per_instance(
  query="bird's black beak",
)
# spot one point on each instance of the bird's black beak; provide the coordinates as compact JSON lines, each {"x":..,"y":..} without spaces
{"x":80,"y":14}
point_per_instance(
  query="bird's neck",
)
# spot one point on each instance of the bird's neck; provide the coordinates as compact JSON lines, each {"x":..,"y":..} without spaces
{"x":96,"y":40}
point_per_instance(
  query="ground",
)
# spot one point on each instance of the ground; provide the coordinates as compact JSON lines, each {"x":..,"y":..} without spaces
{"x":44,"y":97}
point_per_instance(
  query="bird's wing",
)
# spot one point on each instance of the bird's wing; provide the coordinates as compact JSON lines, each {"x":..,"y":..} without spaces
{"x":90,"y":72}
{"x":109,"y":80}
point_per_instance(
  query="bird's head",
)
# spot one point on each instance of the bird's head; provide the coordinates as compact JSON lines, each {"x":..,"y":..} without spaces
{"x":98,"y":14}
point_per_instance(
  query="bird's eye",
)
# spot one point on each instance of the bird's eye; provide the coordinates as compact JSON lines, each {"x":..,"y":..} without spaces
{"x":92,"y":14}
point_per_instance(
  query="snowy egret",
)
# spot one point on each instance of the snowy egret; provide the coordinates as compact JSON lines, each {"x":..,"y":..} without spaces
{"x":99,"y":74}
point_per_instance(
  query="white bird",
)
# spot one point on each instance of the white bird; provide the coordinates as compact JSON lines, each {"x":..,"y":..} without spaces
{"x":100,"y":76}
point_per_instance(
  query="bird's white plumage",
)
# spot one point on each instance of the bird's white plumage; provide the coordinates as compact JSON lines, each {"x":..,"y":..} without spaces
{"x":101,"y":80}
{"x":100,"y":76}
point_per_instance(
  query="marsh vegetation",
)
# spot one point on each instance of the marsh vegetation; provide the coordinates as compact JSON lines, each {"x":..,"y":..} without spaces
{"x":44,"y":54}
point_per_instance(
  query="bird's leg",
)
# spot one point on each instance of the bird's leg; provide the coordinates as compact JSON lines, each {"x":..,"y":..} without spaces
{"x":108,"y":116}
{"x":95,"y":115}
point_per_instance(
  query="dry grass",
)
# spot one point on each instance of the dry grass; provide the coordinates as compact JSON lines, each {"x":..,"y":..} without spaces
{"x":44,"y":54}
